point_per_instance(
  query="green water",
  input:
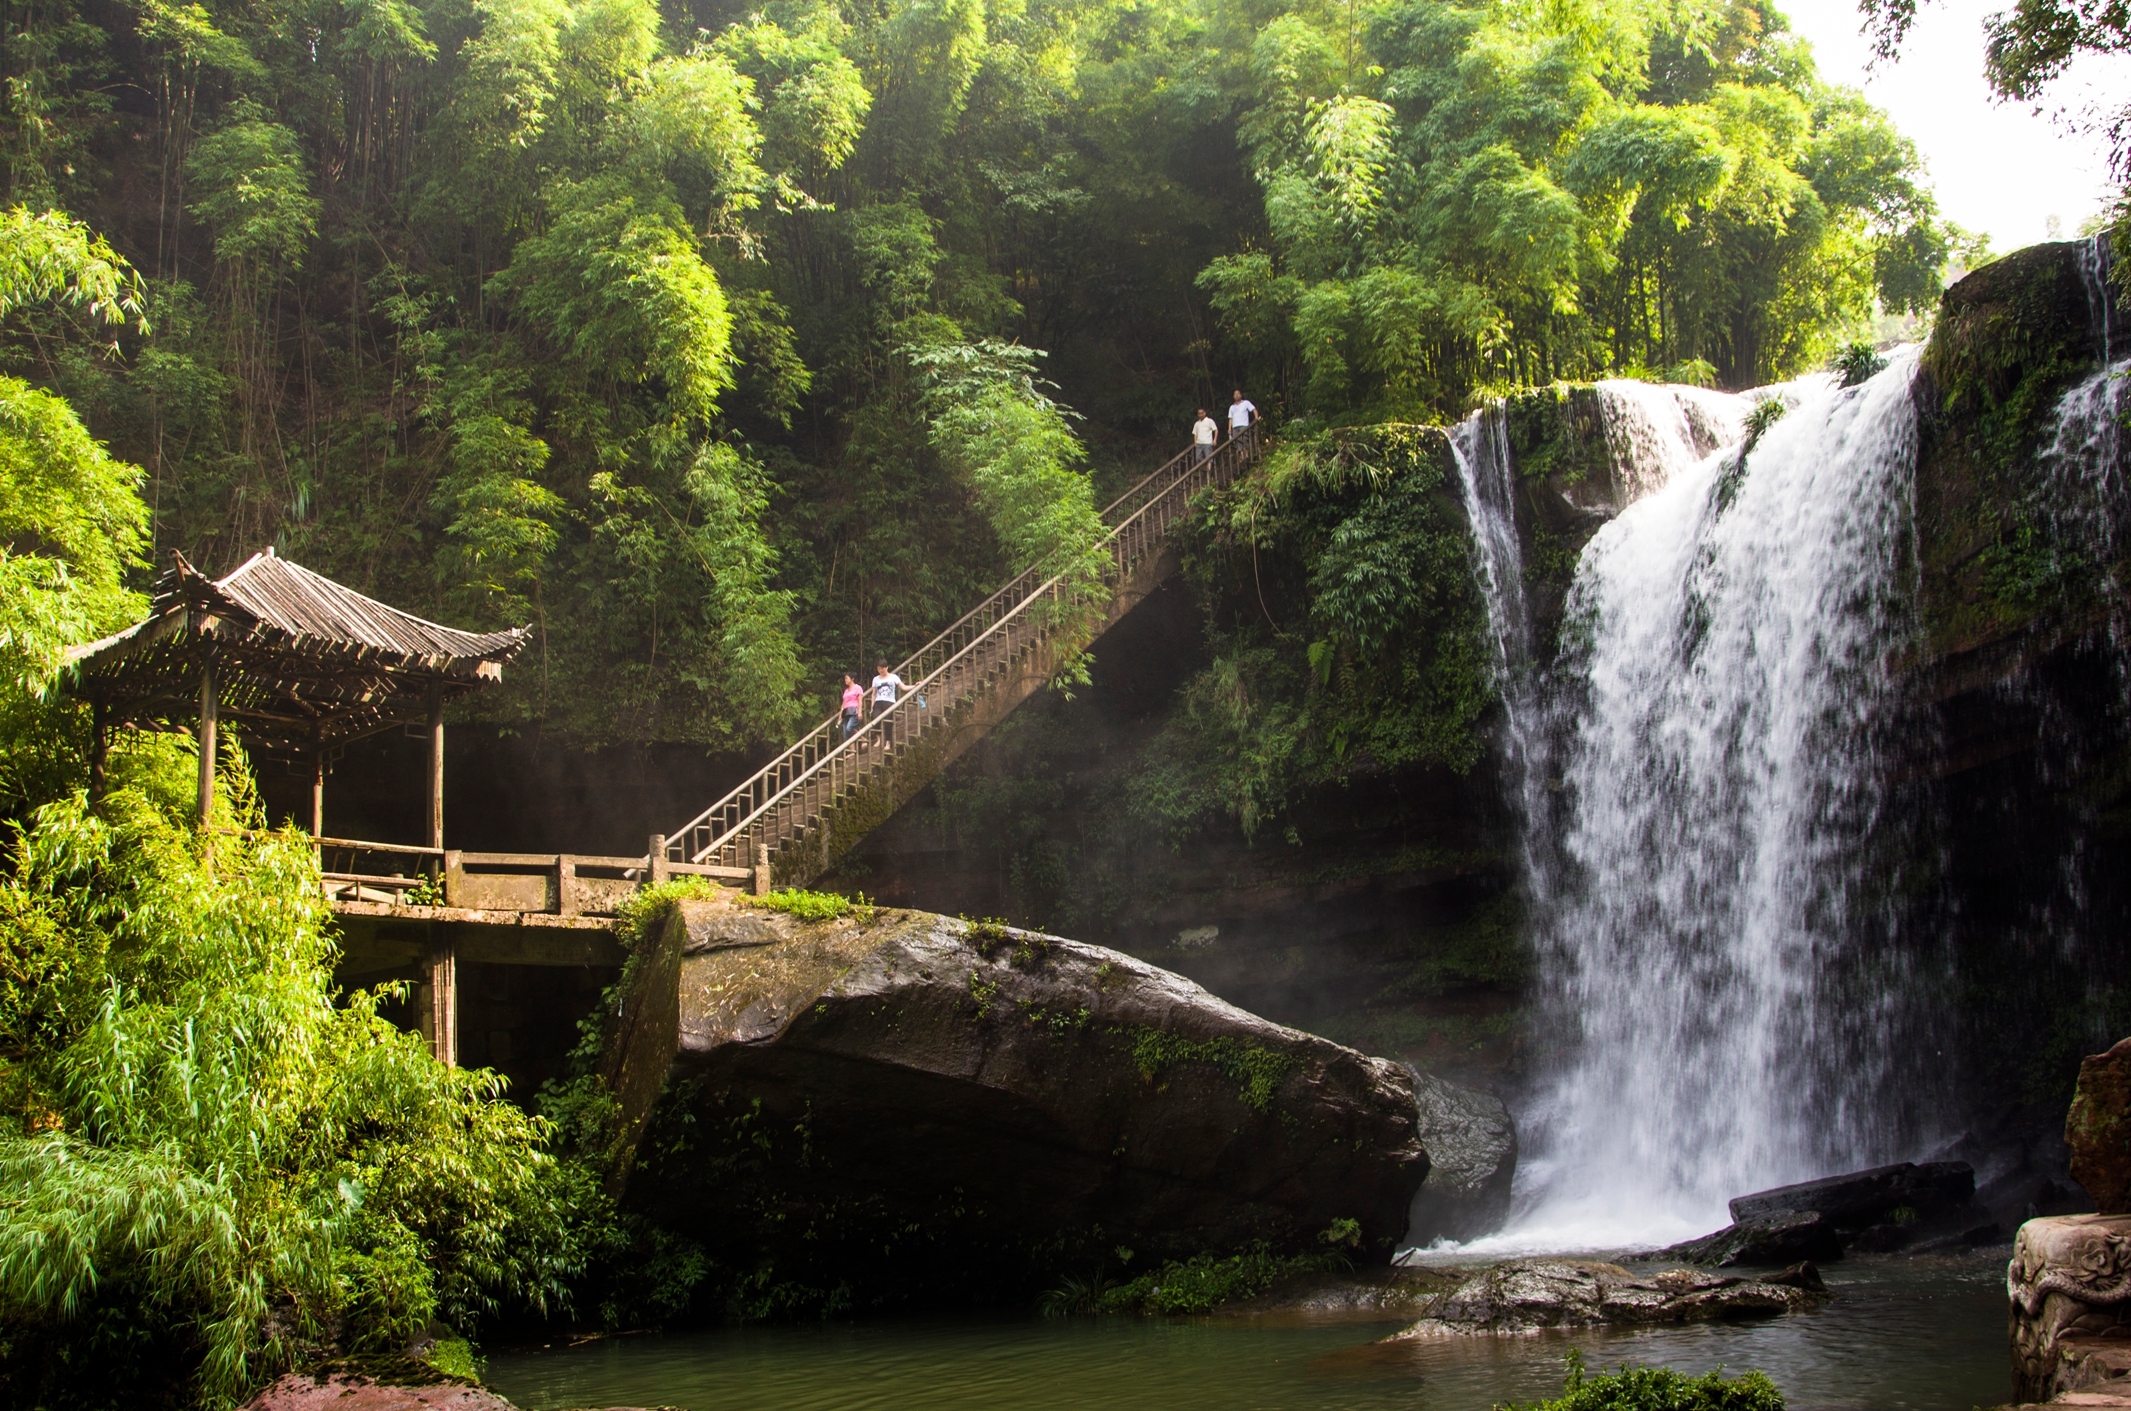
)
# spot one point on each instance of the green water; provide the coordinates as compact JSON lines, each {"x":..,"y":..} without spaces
{"x":1902,"y":1333}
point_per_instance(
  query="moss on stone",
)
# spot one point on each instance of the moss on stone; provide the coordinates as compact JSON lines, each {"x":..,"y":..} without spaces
{"x":1256,"y":1071}
{"x":2010,"y":339}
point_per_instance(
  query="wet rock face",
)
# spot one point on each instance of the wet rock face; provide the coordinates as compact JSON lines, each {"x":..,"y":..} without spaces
{"x":908,"y":1098}
{"x":1472,"y":1158}
{"x":1536,"y":1294}
{"x":2098,"y":1129}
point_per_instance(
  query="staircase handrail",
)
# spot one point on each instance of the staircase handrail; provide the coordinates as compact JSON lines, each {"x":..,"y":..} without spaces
{"x":1177,"y":469}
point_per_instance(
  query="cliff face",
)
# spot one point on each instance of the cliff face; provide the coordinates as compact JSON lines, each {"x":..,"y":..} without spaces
{"x":2021,"y":752}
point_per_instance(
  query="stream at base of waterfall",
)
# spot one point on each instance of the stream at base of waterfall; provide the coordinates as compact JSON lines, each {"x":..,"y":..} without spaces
{"x":1926,"y":1334}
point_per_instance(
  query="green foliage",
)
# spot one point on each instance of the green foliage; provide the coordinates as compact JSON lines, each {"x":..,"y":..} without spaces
{"x":812,"y":906}
{"x":1075,"y":1293}
{"x":71,"y":523}
{"x":1657,"y":1389}
{"x":1204,"y":1282}
{"x":1854,"y":363}
{"x":1348,"y":635}
{"x":1496,"y":194}
{"x":209,"y":1145}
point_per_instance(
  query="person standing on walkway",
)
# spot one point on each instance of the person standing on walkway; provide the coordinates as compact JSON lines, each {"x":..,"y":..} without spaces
{"x":854,"y":702}
{"x":1242,"y":420}
{"x":885,"y":686}
{"x":1203,"y":434}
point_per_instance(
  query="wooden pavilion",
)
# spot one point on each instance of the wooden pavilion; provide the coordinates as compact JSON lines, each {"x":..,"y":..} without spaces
{"x":300,"y":663}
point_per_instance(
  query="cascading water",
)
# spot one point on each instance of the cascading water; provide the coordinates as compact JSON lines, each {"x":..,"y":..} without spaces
{"x":1480,"y":447}
{"x":1712,"y":922}
{"x":1657,"y":432}
{"x":1652,"y":433}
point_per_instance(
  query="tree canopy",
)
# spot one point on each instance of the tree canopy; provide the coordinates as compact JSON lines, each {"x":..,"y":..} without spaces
{"x":700,"y":336}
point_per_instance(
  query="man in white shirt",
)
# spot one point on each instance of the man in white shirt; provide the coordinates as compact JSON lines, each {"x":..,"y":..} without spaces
{"x":885,"y":686}
{"x":1242,"y":420}
{"x":1204,"y":432}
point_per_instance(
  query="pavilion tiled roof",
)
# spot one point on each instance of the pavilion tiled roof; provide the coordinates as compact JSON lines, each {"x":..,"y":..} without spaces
{"x":300,"y":660}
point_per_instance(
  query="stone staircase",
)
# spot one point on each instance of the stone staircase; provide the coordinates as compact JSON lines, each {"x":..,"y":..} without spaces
{"x":796,"y":815}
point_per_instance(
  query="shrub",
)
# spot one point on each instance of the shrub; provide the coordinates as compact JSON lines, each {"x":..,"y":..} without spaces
{"x":1204,"y":1282}
{"x":212,"y":1158}
{"x":1657,"y":1389}
{"x":813,"y":906}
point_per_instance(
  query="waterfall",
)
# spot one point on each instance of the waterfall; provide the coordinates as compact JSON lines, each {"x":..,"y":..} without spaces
{"x":1488,"y":481}
{"x":2083,"y":465}
{"x":2096,"y":258}
{"x":1712,"y":924}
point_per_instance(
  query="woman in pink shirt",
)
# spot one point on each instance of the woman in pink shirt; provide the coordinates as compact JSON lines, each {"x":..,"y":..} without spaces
{"x":854,"y":697}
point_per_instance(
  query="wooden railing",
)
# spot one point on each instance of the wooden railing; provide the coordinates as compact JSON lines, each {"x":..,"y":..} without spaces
{"x":1040,"y":608}
{"x":561,"y":884}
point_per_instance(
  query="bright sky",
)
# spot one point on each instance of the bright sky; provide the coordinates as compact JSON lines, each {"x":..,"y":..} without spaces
{"x":1997,"y":168}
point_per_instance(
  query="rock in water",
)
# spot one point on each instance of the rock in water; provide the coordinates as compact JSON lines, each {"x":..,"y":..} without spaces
{"x":1777,"y":1237}
{"x":2098,"y":1129}
{"x":1904,"y":1206}
{"x":375,"y":1384}
{"x":1861,"y":1198}
{"x":1472,"y":1158}
{"x":1534,"y":1294}
{"x":906,"y":1101}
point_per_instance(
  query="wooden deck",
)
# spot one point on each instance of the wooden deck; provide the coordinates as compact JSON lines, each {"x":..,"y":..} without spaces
{"x":416,"y":913}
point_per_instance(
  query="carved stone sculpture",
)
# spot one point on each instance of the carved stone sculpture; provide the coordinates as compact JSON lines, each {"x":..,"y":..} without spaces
{"x":2070,"y":1288}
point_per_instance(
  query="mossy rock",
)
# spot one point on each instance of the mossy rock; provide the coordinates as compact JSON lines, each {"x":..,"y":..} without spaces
{"x":912,"y":1107}
{"x":1993,"y":579}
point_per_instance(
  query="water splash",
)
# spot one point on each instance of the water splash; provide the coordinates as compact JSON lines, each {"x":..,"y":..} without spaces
{"x":1711,"y":930}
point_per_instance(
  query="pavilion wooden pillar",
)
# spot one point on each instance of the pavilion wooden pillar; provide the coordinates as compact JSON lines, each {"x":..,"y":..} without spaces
{"x":436,"y":763}
{"x":209,"y":705}
{"x":99,"y":747}
{"x":443,"y":955}
{"x":318,"y":780}
{"x":444,"y":1001}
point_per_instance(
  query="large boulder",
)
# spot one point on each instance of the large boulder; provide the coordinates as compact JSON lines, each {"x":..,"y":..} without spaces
{"x":1862,"y":1198}
{"x":1903,"y":1206}
{"x":899,"y":1104}
{"x":387,"y":1383}
{"x":1775,"y":1237}
{"x":1535,"y":1294}
{"x":1472,"y":1159}
{"x":2098,"y":1129}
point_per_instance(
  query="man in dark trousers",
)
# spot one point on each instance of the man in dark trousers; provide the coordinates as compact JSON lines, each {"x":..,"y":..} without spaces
{"x":1243,"y":421}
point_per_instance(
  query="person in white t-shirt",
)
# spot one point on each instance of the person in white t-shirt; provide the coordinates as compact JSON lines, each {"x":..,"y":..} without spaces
{"x":886,"y":684}
{"x":1204,"y":432}
{"x":1242,"y":420}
